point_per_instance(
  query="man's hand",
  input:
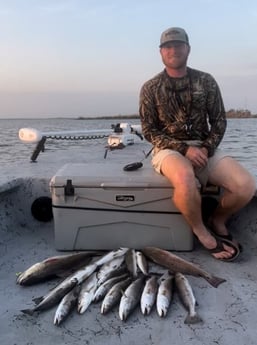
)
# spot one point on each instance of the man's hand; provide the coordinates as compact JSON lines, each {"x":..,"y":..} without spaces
{"x":198,"y":156}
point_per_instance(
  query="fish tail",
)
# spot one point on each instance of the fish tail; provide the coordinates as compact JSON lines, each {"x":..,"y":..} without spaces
{"x":123,"y":315}
{"x":28,"y":311}
{"x":192,"y":319}
{"x":162,"y":312}
{"x":81,"y":309}
{"x":144,"y":310}
{"x":104,"y":310}
{"x":215,"y":281}
{"x":57,"y":321}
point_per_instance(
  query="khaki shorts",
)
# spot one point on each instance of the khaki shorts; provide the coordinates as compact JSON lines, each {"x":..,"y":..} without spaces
{"x":202,"y":174}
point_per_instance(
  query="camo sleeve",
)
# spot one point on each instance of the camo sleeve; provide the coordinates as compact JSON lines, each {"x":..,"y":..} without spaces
{"x":216,"y":116}
{"x":153,"y":127}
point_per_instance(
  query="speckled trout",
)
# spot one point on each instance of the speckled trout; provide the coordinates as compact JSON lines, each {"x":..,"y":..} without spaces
{"x":66,"y":305}
{"x":187,"y":297}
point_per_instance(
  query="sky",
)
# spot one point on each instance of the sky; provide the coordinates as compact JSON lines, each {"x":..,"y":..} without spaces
{"x":70,"y":58}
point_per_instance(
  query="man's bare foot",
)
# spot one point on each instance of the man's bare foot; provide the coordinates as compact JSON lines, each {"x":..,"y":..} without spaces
{"x":219,"y":250}
{"x":220,"y":229}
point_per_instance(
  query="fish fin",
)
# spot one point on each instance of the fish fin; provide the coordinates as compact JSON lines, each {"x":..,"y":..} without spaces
{"x":63,"y":274}
{"x":192,"y":319}
{"x":37,"y":300}
{"x":51,"y":259}
{"x":215,"y":281}
{"x":28,"y":311}
{"x":164,"y":276}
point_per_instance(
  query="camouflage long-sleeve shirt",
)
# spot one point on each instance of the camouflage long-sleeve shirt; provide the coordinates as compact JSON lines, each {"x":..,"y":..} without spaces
{"x":174,"y":110}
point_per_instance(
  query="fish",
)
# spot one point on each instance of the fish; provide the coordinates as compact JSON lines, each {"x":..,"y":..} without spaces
{"x":102,"y":290}
{"x":111,"y":255}
{"x":87,"y":292}
{"x":176,"y":264}
{"x":142,"y":262}
{"x":156,"y":269}
{"x":109,"y":269}
{"x":131,"y":298}
{"x":82,"y":274}
{"x":164,"y":294}
{"x":149,"y":294}
{"x":54,"y":266}
{"x":187,"y":297}
{"x":113,"y":296}
{"x":66,"y":305}
{"x":131,"y":262}
{"x":52,"y":297}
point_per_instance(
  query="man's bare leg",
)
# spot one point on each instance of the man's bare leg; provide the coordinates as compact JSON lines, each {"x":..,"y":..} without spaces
{"x":239,"y":188}
{"x":187,"y":199}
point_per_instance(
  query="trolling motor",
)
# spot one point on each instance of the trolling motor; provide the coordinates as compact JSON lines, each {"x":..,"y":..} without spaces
{"x":117,"y":128}
{"x":123,"y":134}
{"x":40,"y":147}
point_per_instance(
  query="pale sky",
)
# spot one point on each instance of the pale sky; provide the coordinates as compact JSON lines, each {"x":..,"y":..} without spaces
{"x":90,"y":57}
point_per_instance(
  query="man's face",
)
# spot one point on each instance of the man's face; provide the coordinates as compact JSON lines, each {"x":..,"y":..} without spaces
{"x":174,"y":54}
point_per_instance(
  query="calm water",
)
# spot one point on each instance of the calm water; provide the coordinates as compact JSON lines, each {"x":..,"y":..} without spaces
{"x":240,"y":139}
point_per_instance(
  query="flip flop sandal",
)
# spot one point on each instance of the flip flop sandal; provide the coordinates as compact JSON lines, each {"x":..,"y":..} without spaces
{"x":228,"y":238}
{"x":220,"y":248}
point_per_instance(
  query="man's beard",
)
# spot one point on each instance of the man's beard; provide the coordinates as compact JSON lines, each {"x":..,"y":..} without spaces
{"x":177,"y":63}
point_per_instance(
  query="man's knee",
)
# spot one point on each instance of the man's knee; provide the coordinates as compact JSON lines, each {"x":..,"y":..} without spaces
{"x":247,"y":186}
{"x":243,"y":187}
{"x":179,"y":171}
{"x":178,"y":175}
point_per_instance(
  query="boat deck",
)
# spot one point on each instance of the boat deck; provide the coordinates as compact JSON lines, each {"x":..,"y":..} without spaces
{"x":228,"y":312}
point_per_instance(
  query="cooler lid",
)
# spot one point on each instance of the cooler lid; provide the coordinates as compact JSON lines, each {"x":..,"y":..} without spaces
{"x":106,"y":174}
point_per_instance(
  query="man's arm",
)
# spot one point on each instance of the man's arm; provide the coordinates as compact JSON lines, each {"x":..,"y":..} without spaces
{"x":152,"y":127}
{"x":217,"y":117}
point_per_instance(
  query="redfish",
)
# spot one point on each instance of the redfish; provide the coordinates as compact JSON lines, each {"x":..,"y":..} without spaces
{"x":176,"y":264}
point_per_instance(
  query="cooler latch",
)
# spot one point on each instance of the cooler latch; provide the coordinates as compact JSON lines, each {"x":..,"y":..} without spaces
{"x":69,"y":188}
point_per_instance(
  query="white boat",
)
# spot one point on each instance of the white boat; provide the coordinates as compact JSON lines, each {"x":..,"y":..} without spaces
{"x":228,"y":312}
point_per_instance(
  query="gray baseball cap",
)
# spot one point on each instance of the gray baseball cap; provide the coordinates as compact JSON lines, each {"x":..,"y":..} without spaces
{"x":173,"y":34}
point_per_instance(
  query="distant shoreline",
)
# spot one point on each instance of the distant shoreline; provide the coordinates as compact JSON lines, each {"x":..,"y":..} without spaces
{"x":229,"y":115}
{"x":124,"y":117}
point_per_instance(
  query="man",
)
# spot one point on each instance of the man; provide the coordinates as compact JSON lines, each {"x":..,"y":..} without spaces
{"x":183,"y":116}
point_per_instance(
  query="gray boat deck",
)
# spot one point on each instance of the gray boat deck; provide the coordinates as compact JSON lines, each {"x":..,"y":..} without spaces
{"x":228,"y":312}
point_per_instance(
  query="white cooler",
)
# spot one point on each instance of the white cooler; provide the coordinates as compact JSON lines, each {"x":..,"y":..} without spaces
{"x":101,"y":206}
